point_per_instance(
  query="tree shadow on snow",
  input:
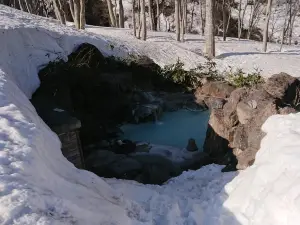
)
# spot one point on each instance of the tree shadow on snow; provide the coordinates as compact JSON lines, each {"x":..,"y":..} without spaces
{"x":229,"y":54}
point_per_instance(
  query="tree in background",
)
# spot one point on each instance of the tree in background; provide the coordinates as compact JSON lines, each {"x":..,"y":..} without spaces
{"x":121,"y":14}
{"x":177,"y":19}
{"x":144,"y":26}
{"x":266,"y":28}
{"x":111,"y":13}
{"x":133,"y":18}
{"x":209,"y":30}
{"x":59,"y":12}
{"x":202,"y":5}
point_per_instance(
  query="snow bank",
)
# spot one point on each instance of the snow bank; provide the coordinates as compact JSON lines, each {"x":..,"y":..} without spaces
{"x":269,"y":191}
{"x":39,"y":186}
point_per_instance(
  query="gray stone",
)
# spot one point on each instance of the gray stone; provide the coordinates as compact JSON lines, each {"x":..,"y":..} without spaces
{"x":192,"y":146}
{"x":244,"y":112}
{"x":124,"y":166}
{"x":283,"y":86}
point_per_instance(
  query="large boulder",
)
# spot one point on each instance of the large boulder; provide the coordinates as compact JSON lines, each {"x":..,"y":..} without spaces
{"x":236,"y":127}
{"x":284,"y":87}
{"x":213,"y":93}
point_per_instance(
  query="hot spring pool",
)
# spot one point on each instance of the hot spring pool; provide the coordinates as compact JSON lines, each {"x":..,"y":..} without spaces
{"x":173,"y":129}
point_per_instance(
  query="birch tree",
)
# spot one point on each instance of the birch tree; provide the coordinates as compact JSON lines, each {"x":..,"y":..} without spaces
{"x":224,"y":20}
{"x":157,"y":15}
{"x":144,"y":26}
{"x":239,"y":20}
{"x":139,"y":20}
{"x":121,"y":14}
{"x":209,"y":30}
{"x":71,"y":5}
{"x":266,"y":27}
{"x":133,"y":18}
{"x":150,"y":12}
{"x":177,"y":19}
{"x":77,"y":13}
{"x":111,"y":13}
{"x":82,"y":15}
{"x":202,"y":6}
{"x":59,"y":12}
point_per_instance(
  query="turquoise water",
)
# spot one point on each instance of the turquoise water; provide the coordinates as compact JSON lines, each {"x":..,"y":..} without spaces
{"x":173,"y":129}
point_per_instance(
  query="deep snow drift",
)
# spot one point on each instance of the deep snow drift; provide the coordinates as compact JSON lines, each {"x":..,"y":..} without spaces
{"x":39,"y":186}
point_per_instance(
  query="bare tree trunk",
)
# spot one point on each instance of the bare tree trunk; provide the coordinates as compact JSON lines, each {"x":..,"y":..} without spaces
{"x":266,"y":28}
{"x":22,"y":6}
{"x":202,"y":16}
{"x":182,"y":28}
{"x":150,"y":12}
{"x":60,"y":14}
{"x":121,"y":14}
{"x":209,"y":30}
{"x":82,"y":14}
{"x":28,"y":6}
{"x":185,"y":16}
{"x":71,"y":4}
{"x":111,"y":13}
{"x":228,"y":20}
{"x":177,"y":20}
{"x":77,"y":13}
{"x":224,"y":20}
{"x":63,"y":7}
{"x":283,"y":33}
{"x":139,"y":19}
{"x":239,"y":20}
{"x":133,"y":18}
{"x":192,"y":17}
{"x":157,"y":16}
{"x":144,"y":26}
{"x":116,"y":14}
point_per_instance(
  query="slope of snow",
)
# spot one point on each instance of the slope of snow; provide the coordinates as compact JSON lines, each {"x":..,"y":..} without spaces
{"x":39,"y":186}
{"x":244,"y":54}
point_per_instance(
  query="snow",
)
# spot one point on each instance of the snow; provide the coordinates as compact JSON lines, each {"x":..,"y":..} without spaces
{"x":244,"y":54}
{"x":39,"y":186}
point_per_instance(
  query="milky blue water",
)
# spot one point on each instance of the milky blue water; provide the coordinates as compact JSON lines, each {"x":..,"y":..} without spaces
{"x":173,"y":129}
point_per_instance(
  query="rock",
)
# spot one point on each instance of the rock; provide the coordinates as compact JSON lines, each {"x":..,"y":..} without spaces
{"x":108,"y":164}
{"x":156,"y":169}
{"x":283,"y":86}
{"x":125,"y":166}
{"x":191,"y":147}
{"x":287,"y":110}
{"x":215,"y":146}
{"x":198,"y":160}
{"x":217,"y":89}
{"x":102,"y":159}
{"x":244,"y":112}
{"x":240,"y":138}
{"x":216,"y":121}
{"x":124,"y":147}
{"x":145,"y":147}
{"x":238,"y":124}
{"x":252,"y":104}
{"x":176,"y":101}
{"x":147,"y":112}
{"x":214,"y":103}
{"x":246,"y":158}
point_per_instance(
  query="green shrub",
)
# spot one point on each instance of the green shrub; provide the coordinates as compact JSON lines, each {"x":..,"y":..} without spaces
{"x":239,"y":78}
{"x":192,"y":78}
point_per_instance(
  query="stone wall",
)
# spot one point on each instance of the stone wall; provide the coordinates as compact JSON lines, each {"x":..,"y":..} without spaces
{"x":71,"y":148}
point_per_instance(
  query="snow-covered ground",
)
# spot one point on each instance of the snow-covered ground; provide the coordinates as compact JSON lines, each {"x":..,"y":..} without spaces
{"x":39,"y":186}
{"x":244,"y":54}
